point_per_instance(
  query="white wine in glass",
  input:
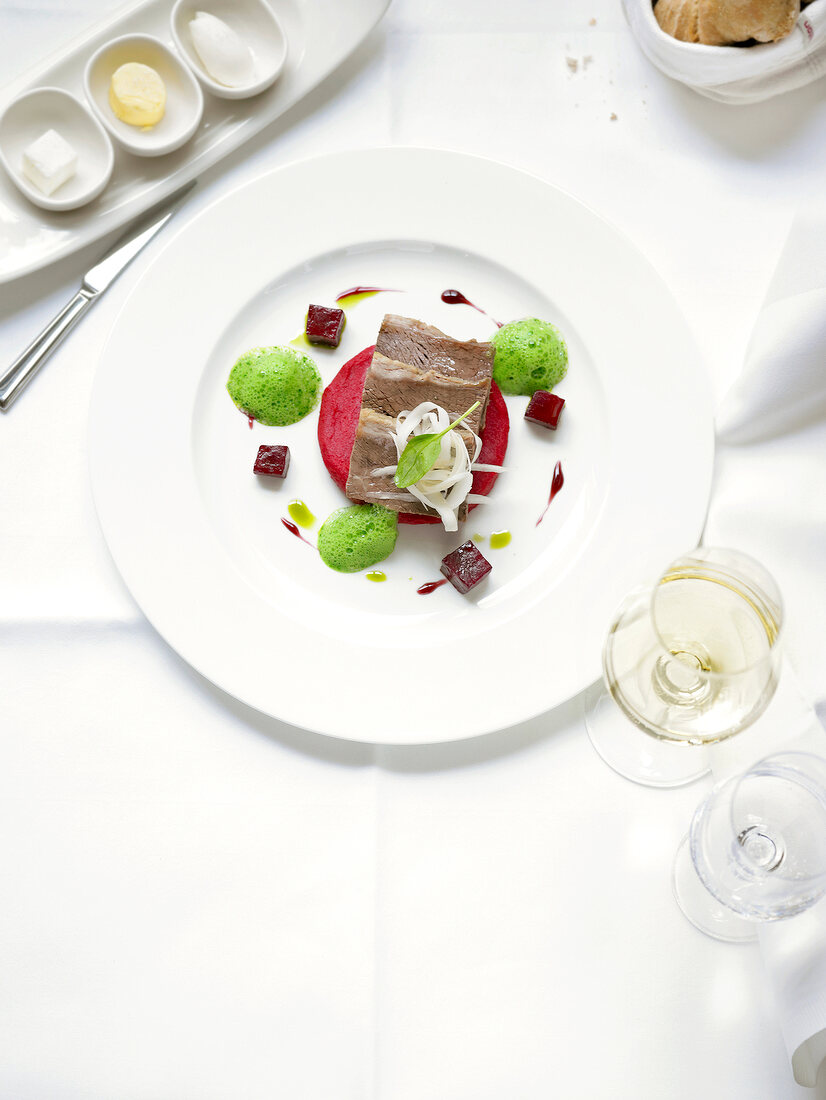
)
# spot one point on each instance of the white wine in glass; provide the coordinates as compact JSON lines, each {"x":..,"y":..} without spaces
{"x":690,"y":661}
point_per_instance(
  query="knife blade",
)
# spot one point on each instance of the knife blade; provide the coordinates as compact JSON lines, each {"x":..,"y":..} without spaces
{"x":95,"y":282}
{"x":125,"y":249}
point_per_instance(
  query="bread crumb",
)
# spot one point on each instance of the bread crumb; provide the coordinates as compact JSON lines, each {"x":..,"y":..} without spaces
{"x":586,"y":61}
{"x":592,"y":22}
{"x":613,"y":117}
{"x":573,"y":64}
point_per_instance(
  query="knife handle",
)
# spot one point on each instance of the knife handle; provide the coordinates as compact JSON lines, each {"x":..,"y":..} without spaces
{"x":29,"y":362}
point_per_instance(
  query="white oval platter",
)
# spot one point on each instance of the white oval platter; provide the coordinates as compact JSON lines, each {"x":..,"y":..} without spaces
{"x":320,"y":35}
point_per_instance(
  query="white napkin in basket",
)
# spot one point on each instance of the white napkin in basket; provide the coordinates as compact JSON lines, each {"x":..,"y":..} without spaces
{"x":731,"y":74}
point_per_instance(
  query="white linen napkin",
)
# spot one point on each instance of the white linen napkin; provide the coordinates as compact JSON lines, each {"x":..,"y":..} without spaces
{"x":767,"y":497}
{"x":794,"y":951}
{"x":783,"y":383}
{"x":766,"y":501}
{"x":794,"y":957}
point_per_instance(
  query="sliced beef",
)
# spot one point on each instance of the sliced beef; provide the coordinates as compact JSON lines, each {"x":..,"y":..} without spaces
{"x":412,"y":363}
{"x":419,"y":345}
{"x":376,"y":450}
{"x":392,"y":386}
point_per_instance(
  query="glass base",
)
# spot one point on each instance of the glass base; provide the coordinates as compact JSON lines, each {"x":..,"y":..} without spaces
{"x":701,"y":909}
{"x":636,"y":755}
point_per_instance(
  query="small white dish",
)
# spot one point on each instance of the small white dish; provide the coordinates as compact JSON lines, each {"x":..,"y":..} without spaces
{"x":184,"y":99}
{"x":29,"y":116}
{"x":254,"y":21}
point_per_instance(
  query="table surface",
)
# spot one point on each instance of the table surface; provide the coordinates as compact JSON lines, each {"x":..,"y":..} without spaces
{"x":202,"y":902}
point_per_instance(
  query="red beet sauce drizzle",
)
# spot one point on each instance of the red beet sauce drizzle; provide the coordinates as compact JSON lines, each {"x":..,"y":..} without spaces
{"x":430,"y":586}
{"x":457,"y":298}
{"x":557,"y":481}
{"x":293,"y":529}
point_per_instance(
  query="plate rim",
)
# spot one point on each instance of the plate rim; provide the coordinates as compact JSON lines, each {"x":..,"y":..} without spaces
{"x":702,"y":462}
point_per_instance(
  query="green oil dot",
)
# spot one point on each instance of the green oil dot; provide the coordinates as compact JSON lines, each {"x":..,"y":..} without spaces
{"x":376,"y":575}
{"x":301,"y":341}
{"x":499,"y":539}
{"x":479,"y":538}
{"x":300,"y":513}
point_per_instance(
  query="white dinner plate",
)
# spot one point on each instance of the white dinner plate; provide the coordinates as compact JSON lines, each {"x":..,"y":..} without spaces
{"x":199,"y":539}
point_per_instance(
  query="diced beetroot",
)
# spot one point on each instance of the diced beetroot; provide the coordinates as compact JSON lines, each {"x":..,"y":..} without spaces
{"x":325,"y":325}
{"x":465,"y":567}
{"x":544,"y":408}
{"x":272,"y":461}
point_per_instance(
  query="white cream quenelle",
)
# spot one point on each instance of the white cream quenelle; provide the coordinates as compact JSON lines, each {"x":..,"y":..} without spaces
{"x":224,"y":54}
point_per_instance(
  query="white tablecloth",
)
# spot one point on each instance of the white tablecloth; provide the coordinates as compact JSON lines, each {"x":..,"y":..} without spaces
{"x":199,"y":902}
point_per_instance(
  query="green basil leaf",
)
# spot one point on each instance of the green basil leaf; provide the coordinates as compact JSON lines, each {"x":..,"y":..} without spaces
{"x":417,"y":458}
{"x":421,"y":453}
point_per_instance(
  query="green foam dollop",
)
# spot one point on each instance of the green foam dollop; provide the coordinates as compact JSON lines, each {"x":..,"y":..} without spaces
{"x":352,"y":539}
{"x":276,"y":386}
{"x":530,"y":355}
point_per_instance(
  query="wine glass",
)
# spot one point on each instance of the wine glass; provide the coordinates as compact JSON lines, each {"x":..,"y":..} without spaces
{"x":690,"y":661}
{"x":756,"y":849}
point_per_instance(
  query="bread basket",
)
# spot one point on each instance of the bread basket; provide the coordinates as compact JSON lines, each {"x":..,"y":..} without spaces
{"x":736,"y":74}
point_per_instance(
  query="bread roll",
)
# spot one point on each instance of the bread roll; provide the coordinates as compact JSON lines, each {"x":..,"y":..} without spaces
{"x":678,"y":18}
{"x":723,"y":22}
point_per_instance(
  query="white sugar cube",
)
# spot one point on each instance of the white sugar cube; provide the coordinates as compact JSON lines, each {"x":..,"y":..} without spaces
{"x":49,"y":162}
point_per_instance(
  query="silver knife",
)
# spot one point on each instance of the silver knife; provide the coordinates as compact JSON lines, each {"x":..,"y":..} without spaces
{"x":96,"y":280}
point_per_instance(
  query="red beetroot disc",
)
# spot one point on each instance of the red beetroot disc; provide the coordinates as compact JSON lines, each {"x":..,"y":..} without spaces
{"x":339,"y":414}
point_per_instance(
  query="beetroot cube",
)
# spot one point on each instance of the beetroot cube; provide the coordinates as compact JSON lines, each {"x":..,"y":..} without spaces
{"x":544,"y":408}
{"x":465,"y":567}
{"x":325,"y":325}
{"x":272,"y":461}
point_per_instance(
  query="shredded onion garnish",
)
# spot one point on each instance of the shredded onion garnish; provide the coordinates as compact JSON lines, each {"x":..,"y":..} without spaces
{"x":447,"y":484}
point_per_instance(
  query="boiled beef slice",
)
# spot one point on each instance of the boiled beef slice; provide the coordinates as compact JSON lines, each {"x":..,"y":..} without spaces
{"x":413,"y":363}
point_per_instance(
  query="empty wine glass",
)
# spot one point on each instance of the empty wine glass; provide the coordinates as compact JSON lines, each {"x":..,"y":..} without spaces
{"x":690,"y":661}
{"x":756,"y":849}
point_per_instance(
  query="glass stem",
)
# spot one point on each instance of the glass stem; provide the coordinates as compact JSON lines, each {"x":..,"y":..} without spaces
{"x":761,"y":849}
{"x":677,"y":677}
